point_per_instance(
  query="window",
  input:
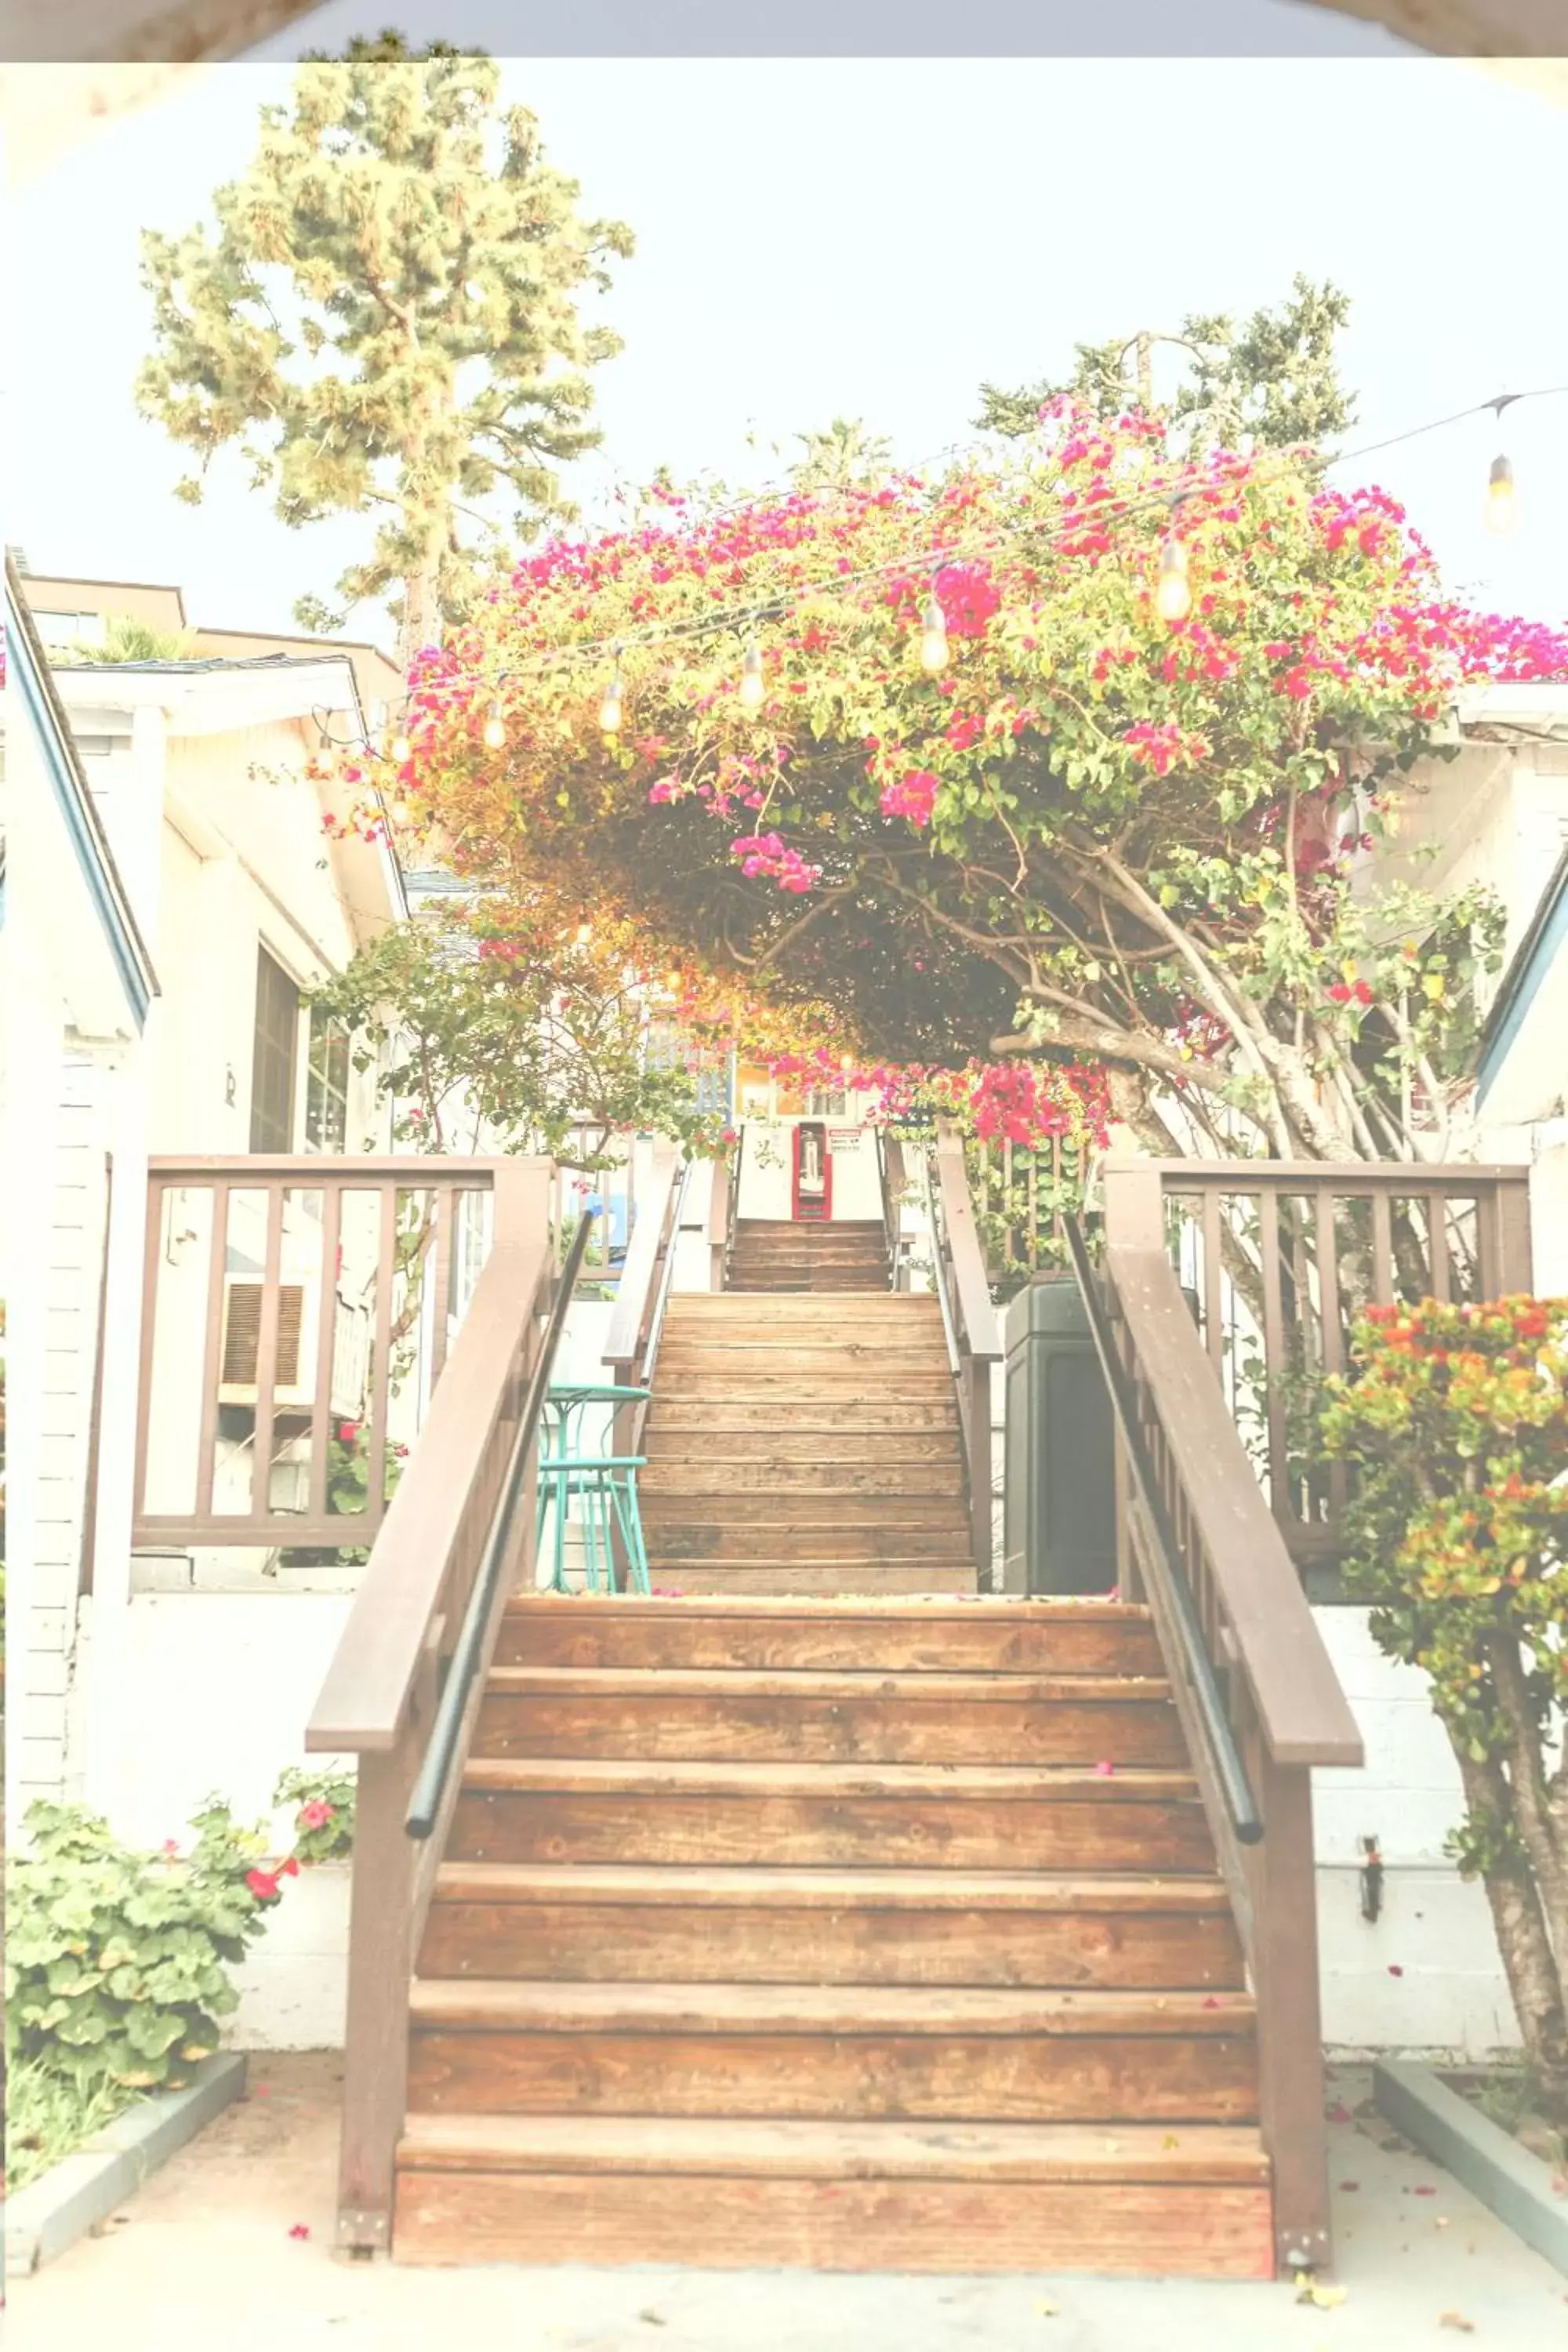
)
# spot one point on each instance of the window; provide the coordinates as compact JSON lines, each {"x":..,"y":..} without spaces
{"x":826,"y":1102}
{"x":327,"y":1085}
{"x":272,"y":1065}
{"x":56,"y":630}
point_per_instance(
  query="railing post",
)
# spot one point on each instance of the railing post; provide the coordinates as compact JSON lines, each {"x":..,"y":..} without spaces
{"x":523,"y":1200}
{"x":1289,"y":2015}
{"x":718,"y":1225}
{"x":977,"y":1419}
{"x":381,"y":1964}
{"x":1134,"y":1205}
{"x":1134,"y":1216}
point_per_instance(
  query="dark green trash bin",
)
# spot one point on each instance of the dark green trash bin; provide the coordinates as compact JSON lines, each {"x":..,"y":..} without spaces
{"x":1059,"y":1517}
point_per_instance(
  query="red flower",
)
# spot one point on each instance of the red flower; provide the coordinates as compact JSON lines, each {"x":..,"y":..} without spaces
{"x":316,"y":1814}
{"x":262,"y":1884}
{"x":347,"y":1432}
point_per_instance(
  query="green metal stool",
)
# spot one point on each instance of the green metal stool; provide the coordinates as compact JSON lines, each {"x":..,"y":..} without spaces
{"x":605,"y":1484}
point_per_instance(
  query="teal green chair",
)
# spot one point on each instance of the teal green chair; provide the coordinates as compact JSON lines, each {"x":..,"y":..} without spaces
{"x":605,"y":1486}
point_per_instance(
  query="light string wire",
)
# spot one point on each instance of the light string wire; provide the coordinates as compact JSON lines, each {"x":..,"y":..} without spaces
{"x":735,"y":618}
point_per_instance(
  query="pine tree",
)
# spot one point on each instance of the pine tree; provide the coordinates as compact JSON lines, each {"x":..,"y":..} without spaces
{"x":1270,"y":383}
{"x":386,"y":320}
{"x":844,"y":454}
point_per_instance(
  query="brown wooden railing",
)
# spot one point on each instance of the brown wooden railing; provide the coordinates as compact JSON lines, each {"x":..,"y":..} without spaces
{"x":288,"y":1301}
{"x":890,"y":1171}
{"x":969,"y":1321}
{"x":631,"y":1342}
{"x":1278,"y":1258}
{"x":380,"y":1697}
{"x":1185,"y":1482}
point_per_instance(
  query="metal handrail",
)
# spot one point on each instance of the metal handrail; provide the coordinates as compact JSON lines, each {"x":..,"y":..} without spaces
{"x":661,"y":1297}
{"x":1246,"y":1819}
{"x":938,"y":1239}
{"x":429,"y":1788}
{"x":733,"y":1206}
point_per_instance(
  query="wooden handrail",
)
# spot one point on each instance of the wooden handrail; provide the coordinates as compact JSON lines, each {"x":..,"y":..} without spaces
{"x":1284,"y":1710}
{"x":1303,"y":1713}
{"x":977,"y":1322}
{"x":381,"y":1694}
{"x":640,"y":1272}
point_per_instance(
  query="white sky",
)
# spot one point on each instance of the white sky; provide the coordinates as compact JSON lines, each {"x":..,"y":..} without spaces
{"x":873,"y":238}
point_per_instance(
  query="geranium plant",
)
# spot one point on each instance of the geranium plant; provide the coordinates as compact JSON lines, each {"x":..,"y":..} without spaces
{"x":1457,"y":1532}
{"x":324,"y":1815}
{"x":117,"y":1962}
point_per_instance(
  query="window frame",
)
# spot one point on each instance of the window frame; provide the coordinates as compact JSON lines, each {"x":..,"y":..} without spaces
{"x":326,"y":1034}
{"x":274,"y":1041}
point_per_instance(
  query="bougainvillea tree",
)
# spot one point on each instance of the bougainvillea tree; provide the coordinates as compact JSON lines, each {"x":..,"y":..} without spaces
{"x":1458,"y":1534}
{"x":1040,"y":824}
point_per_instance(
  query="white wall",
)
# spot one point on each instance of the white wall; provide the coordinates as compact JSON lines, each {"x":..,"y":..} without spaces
{"x":1436,"y":1930}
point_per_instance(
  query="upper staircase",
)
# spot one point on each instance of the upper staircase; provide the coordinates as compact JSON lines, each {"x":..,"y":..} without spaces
{"x":805,"y":1444}
{"x":810,"y":1254}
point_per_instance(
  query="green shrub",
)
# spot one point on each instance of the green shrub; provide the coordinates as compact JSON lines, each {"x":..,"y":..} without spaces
{"x":117,"y":1961}
{"x":324,"y":1822}
{"x":49,"y":2117}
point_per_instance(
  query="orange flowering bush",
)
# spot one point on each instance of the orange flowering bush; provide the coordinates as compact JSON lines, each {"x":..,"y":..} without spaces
{"x":1458,"y":1534}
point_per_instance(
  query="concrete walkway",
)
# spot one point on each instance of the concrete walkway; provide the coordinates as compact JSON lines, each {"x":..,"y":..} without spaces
{"x":208,"y":2253}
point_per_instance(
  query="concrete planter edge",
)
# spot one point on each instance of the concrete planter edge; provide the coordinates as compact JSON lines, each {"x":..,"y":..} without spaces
{"x":1487,"y":2161}
{"x":53,"y":2212}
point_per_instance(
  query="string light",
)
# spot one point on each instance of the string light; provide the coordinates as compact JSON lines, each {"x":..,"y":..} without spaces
{"x":402,"y":749}
{"x":585,"y":933}
{"x":933,"y":636}
{"x":495,"y":729}
{"x":752,"y":688}
{"x":1171,"y":584}
{"x":1503,"y":499}
{"x":1172,"y":590}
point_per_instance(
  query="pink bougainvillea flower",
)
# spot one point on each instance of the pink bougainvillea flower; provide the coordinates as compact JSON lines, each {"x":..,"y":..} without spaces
{"x":300,"y":2230}
{"x":1395,"y":1968}
{"x":1105,"y":1768}
{"x":913,"y":795}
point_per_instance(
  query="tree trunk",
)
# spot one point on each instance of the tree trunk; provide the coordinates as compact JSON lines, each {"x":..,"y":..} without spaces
{"x":421,"y":623}
{"x":1535,"y":1975}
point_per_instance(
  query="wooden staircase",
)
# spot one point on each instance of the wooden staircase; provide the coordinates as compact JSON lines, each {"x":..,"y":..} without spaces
{"x":805,"y":1442}
{"x":850,"y":1935}
{"x":804,"y":1254}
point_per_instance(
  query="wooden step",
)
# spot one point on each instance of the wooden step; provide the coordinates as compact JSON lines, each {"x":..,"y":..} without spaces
{"x":702,"y":1307}
{"x":818,"y":1579}
{"x":861,"y":1419}
{"x":817,"y":1544}
{"x":960,"y":2052}
{"x":892,"y":1815}
{"x":805,"y":1508}
{"x":785,"y":1443}
{"x":682,"y":1360}
{"x":938,"y":1475}
{"x":924,"y":1719}
{"x":764,"y":1924}
{"x":834,"y":2195}
{"x":1065,"y":1636}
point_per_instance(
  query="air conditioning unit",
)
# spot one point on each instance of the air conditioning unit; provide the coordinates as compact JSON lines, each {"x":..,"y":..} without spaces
{"x":294,"y":1371}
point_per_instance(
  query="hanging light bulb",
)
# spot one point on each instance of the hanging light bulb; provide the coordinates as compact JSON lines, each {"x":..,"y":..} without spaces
{"x":400,"y":811}
{"x":752,"y":687}
{"x":674,"y":982}
{"x":1172,"y":592}
{"x":933,"y":638}
{"x":495,"y":729}
{"x":401,"y":748}
{"x":1503,"y":499}
{"x":610,"y":709}
{"x":585,"y":933}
